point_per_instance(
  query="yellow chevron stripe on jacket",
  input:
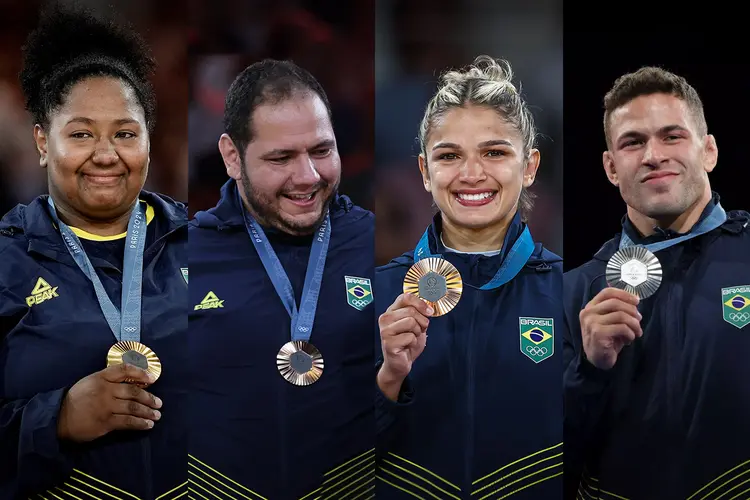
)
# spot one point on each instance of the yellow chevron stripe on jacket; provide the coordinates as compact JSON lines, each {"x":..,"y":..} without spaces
{"x":354,"y":479}
{"x":83,"y":486}
{"x":734,"y":484}
{"x":520,"y":474}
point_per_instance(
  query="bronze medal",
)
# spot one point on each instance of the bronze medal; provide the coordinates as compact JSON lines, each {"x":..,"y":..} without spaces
{"x":136,"y":354}
{"x":437,"y":282}
{"x":300,"y":363}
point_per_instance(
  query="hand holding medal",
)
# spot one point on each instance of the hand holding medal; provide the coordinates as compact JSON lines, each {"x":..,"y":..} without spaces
{"x":113,"y":398}
{"x":611,"y":320}
{"x":403,"y":336}
{"x":103,"y":402}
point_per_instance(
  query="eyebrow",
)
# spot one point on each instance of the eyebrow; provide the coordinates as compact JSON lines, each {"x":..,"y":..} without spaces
{"x":327,"y":143}
{"x":89,"y":121}
{"x":485,"y":144}
{"x":662,"y":131}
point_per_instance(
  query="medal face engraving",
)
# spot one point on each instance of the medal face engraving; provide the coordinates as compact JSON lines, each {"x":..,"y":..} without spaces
{"x":432,"y":287}
{"x":136,"y":359}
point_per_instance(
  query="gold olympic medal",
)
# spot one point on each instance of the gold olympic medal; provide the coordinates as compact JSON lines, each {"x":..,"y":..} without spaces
{"x":300,"y":363}
{"x":636,"y":270}
{"x":437,"y":282}
{"x":136,"y":354}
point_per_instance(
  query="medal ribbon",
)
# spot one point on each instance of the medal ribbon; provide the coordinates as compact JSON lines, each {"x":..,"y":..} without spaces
{"x":302,"y":320}
{"x":515,"y":260}
{"x":716,"y":218}
{"x":125,"y":325}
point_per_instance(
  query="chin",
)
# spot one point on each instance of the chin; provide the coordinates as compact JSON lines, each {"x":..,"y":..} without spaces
{"x":476,"y":221}
{"x":301,"y":224}
{"x":664,"y":205}
{"x":104,"y":203}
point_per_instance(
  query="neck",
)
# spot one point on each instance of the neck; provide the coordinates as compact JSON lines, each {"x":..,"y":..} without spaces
{"x":485,"y":239}
{"x":99,"y":227}
{"x":680,"y":223}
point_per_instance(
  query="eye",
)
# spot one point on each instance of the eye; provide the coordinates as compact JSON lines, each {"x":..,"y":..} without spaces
{"x":447,"y":156}
{"x":125,"y":135}
{"x":80,"y":135}
{"x":322,"y":153}
{"x":280,"y":160}
{"x":496,"y":153}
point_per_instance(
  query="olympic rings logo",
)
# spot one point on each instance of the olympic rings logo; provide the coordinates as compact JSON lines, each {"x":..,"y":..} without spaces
{"x":535,"y":350}
{"x":739,"y":316}
{"x":359,"y":303}
{"x":129,"y":329}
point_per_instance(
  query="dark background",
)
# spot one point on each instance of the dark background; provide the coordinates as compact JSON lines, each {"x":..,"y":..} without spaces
{"x":714,"y":63}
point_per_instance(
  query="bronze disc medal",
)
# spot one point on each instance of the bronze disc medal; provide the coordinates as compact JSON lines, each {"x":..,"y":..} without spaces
{"x":134,"y":353}
{"x":435,"y":281}
{"x":300,"y":363}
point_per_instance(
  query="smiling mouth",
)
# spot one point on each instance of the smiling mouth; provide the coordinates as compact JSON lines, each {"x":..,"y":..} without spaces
{"x":475,"y":199}
{"x":102,"y":179}
{"x":301,"y":199}
{"x":659,"y":177}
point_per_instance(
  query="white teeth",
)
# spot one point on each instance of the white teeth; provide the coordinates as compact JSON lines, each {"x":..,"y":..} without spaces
{"x":302,"y":197}
{"x":475,"y":197}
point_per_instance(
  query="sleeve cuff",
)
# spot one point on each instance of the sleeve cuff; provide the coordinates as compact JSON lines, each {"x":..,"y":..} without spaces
{"x":590,"y":372}
{"x":41,"y":455}
{"x":405,"y":396}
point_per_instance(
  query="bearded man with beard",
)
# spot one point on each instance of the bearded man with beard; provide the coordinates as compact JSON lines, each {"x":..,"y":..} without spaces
{"x":281,"y":322}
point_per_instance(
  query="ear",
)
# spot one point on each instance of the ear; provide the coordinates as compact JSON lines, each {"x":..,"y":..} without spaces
{"x":609,"y":168}
{"x":710,"y":153}
{"x":231,"y":156}
{"x":532,"y":165}
{"x":40,"y":138}
{"x":425,"y":173}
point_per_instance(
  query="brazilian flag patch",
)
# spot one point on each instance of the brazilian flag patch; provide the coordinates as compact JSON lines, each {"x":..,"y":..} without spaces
{"x":537,"y":338}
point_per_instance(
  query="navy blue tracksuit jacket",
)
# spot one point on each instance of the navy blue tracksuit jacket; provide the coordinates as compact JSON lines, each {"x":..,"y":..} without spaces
{"x":53,"y":333}
{"x":477,"y":418}
{"x":253,"y":434}
{"x":671,"y":419}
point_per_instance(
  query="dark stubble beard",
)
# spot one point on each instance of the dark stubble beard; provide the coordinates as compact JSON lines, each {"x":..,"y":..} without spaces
{"x":262,"y":209}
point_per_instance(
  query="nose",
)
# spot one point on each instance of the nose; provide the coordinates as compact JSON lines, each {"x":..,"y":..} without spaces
{"x":654,"y":153}
{"x":305,"y":172}
{"x":104,"y":153}
{"x":472,"y":170}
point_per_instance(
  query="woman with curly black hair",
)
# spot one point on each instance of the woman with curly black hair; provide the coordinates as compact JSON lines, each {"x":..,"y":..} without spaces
{"x":93,"y":281}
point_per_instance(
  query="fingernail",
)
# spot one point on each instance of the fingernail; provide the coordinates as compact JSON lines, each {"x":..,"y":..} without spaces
{"x":157,"y":401}
{"x":150,"y":423}
{"x":151,"y":378}
{"x":430,"y":311}
{"x":640,"y":316}
{"x":157,"y":414}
